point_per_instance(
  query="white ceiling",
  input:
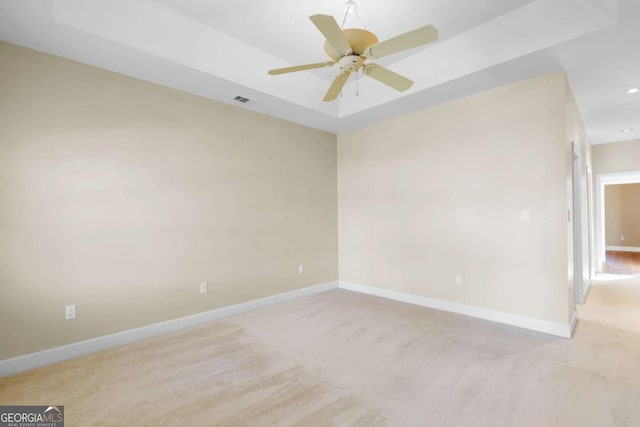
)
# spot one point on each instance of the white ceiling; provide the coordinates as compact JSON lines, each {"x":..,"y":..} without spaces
{"x":221,"y":49}
{"x":286,"y":32}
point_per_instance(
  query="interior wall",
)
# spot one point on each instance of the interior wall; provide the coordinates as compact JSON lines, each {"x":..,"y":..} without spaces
{"x":622,"y":215}
{"x":438,"y":193}
{"x":121,"y":196}
{"x":616,"y":157}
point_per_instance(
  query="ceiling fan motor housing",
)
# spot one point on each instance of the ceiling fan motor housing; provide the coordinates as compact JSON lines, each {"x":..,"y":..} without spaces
{"x":350,"y":63}
{"x":357,"y":39}
{"x":350,"y":47}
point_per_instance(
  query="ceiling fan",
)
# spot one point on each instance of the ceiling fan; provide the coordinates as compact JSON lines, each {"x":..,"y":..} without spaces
{"x":351,"y":47}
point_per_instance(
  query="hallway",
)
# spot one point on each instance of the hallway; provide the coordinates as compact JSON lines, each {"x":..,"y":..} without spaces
{"x":622,"y":262}
{"x":613,"y":303}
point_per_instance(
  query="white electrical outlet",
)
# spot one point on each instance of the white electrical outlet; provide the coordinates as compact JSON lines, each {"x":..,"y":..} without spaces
{"x":204,"y":287}
{"x":545,"y":216}
{"x":300,"y":269}
{"x":69,"y":312}
{"x":458,"y":280}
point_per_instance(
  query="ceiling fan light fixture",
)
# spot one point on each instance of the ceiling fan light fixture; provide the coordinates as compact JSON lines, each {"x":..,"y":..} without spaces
{"x":632,"y":90}
{"x":627,"y":130}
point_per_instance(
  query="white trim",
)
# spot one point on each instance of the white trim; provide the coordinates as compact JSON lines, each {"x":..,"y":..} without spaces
{"x":70,"y":351}
{"x":576,"y":220}
{"x":587,"y":288}
{"x":623,"y":248}
{"x":630,"y":177}
{"x":590,"y":222}
{"x":558,"y":329}
{"x":573,"y":321}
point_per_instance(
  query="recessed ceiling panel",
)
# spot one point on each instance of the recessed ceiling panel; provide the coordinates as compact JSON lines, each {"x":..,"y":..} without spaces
{"x":220,"y":49}
{"x":283,"y":29}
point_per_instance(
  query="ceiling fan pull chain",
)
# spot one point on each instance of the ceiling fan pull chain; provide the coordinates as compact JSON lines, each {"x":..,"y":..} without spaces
{"x":357,"y":85}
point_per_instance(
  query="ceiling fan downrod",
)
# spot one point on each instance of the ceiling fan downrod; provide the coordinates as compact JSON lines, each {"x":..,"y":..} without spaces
{"x":351,"y":7}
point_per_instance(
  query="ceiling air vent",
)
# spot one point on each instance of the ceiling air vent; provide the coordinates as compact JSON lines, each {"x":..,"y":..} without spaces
{"x":241,"y":99}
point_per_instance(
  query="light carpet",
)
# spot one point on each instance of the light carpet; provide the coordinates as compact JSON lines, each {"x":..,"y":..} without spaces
{"x":342,"y":358}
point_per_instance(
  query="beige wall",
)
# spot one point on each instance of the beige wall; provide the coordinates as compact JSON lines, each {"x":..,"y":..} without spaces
{"x":438,"y":193}
{"x":616,"y":157}
{"x":120,"y":196}
{"x":622,"y":214}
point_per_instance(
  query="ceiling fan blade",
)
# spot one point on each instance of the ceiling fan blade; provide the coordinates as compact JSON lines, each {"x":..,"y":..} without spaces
{"x":421,"y":36}
{"x":336,"y":86}
{"x":332,"y":32}
{"x":301,"y":68}
{"x":388,"y":77}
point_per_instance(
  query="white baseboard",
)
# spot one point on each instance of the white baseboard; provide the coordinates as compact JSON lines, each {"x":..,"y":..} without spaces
{"x":572,"y":323}
{"x":623,"y":248}
{"x":70,"y":351}
{"x":552,"y":328}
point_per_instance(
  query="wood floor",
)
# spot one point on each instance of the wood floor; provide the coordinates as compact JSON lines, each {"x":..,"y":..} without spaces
{"x":619,"y":262}
{"x":341,"y":358}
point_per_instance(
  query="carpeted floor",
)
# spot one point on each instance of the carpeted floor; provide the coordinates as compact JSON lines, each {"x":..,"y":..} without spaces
{"x":342,"y":358}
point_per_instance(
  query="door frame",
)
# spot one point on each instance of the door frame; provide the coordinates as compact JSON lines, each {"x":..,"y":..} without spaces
{"x":576,"y":196}
{"x":590,"y":205}
{"x":602,"y":180}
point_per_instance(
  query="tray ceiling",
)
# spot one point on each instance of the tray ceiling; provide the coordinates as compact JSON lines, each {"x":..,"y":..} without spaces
{"x":223,"y":49}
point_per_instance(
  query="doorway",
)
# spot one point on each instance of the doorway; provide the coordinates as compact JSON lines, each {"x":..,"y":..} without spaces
{"x":616,"y":258}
